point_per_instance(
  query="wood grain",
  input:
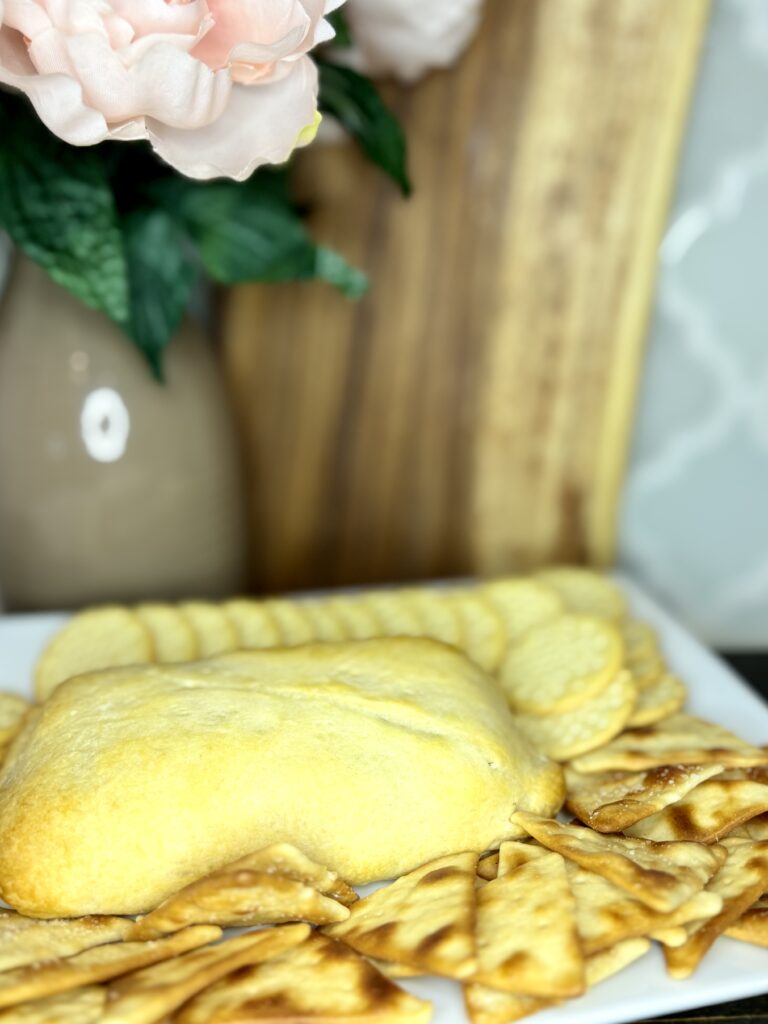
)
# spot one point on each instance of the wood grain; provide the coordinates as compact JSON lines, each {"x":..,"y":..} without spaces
{"x":472,"y":413}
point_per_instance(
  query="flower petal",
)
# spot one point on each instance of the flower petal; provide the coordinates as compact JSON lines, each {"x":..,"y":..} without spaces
{"x":261,"y":125}
{"x":57,"y":99}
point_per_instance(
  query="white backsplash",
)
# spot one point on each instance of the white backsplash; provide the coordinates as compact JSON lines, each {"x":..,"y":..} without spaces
{"x":694,"y":520}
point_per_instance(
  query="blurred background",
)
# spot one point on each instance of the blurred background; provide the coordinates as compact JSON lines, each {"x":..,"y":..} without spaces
{"x":561,"y":356}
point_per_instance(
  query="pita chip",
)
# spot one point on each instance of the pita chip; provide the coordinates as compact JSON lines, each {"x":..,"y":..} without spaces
{"x":527,"y":942}
{"x":240,"y":899}
{"x":662,"y":875}
{"x":679,"y":739}
{"x":27,"y":940}
{"x":486,"y":1005}
{"x":155,"y":992}
{"x":741,"y":880}
{"x":320,"y":978}
{"x":79,"y":1006}
{"x":288,"y":861}
{"x":752,"y":926}
{"x":613,"y":801}
{"x":708,"y":812}
{"x":425,"y":920}
{"x":606,"y":915}
{"x":38,"y":980}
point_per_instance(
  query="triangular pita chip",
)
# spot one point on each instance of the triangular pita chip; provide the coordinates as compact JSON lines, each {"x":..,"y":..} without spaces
{"x":527,"y":941}
{"x":755,"y":829}
{"x":101,"y":963}
{"x":612,"y":801}
{"x":708,"y":812}
{"x":606,"y":915}
{"x":490,"y":1006}
{"x":80,"y":1006}
{"x":320,"y":979}
{"x":679,"y":739}
{"x":513,"y":854}
{"x":26,"y":940}
{"x":570,"y":733}
{"x":752,"y":926}
{"x":284,"y":859}
{"x":154,"y":993}
{"x":740,"y":881}
{"x":662,"y":875}
{"x":658,"y":700}
{"x":240,"y":899}
{"x":426,"y":919}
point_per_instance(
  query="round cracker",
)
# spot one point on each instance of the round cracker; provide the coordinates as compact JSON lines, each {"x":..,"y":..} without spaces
{"x":522,"y":603}
{"x":484,"y":634}
{"x":323,"y":620}
{"x":396,"y":614}
{"x":172,"y":633}
{"x":438,"y":614}
{"x":585,"y":591}
{"x":214,"y":630}
{"x":658,"y":700}
{"x":561,"y":664}
{"x":567,"y":735}
{"x":254,"y":623}
{"x":97,"y":638}
{"x":356,"y":616}
{"x":642,"y":655}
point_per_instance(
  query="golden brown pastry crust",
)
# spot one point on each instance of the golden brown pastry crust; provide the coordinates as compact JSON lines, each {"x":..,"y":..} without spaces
{"x":372,"y":757}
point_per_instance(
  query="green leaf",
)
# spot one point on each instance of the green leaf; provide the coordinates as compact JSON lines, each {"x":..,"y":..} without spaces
{"x":250,"y":232}
{"x":241,"y":234}
{"x":330,"y":266}
{"x":343,"y":37}
{"x":354,"y":101}
{"x":57,"y":205}
{"x":162,"y":270}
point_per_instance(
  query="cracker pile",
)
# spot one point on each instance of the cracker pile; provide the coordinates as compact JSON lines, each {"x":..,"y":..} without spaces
{"x":575,"y":670}
{"x":664,"y":837}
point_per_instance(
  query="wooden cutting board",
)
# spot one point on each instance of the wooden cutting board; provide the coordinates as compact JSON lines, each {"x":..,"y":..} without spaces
{"x":472,"y":414}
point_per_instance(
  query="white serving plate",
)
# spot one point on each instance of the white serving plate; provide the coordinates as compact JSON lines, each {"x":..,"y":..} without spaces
{"x":732,"y":970}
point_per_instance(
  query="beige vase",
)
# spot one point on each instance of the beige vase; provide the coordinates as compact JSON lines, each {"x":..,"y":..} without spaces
{"x":112,"y":486}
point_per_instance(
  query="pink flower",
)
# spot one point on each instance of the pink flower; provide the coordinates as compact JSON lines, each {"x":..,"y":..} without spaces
{"x":407,"y":38}
{"x":219,"y":87}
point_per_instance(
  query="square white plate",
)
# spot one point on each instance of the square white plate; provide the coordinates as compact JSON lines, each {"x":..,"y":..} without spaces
{"x":732,"y":970}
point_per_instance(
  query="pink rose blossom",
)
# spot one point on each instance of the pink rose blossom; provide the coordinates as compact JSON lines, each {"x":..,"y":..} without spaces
{"x":219,"y":87}
{"x":407,"y":38}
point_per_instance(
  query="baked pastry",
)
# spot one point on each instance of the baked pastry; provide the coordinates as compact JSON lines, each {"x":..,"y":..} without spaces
{"x":373,"y":757}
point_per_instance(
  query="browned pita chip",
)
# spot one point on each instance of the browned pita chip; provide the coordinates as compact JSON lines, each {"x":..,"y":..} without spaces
{"x":321,"y":979}
{"x":662,"y":875}
{"x":80,"y":1006}
{"x":752,"y":926}
{"x":425,"y":920}
{"x":490,"y":1006}
{"x":708,"y":812}
{"x":240,"y":899}
{"x":612,"y":801}
{"x":740,"y":881}
{"x":26,"y":940}
{"x":679,"y":739}
{"x":527,"y":941}
{"x":286,"y":860}
{"x":35,"y":981}
{"x":755,"y":829}
{"x":155,"y":992}
{"x":606,"y":915}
